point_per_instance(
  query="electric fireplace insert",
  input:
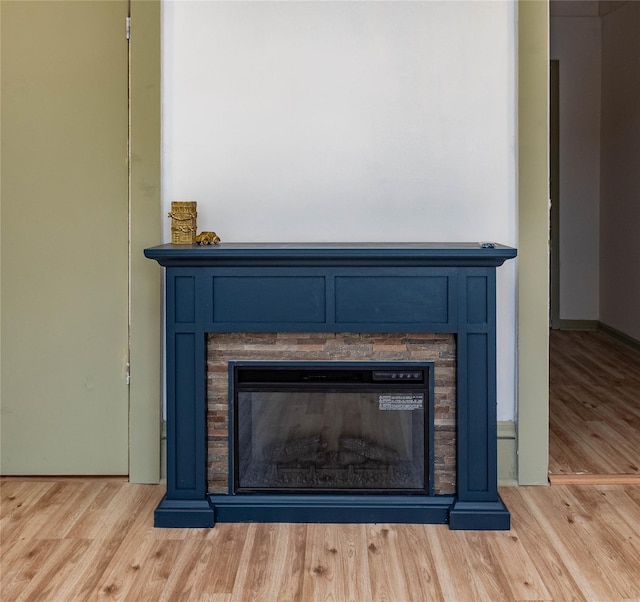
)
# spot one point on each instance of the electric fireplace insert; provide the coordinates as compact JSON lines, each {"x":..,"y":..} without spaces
{"x":332,"y":427}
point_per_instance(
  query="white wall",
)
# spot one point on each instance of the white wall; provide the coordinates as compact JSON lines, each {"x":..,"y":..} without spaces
{"x":575,"y":42}
{"x":620,"y":208}
{"x":346,"y":121}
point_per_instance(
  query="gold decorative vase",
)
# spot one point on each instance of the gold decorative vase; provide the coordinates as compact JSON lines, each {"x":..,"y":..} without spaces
{"x":183,"y":216}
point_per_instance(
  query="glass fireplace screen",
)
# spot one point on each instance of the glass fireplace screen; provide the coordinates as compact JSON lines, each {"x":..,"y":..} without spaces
{"x":331,"y":427}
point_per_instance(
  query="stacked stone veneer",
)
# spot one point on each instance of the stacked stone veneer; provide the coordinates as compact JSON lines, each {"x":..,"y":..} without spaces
{"x":225,"y":347}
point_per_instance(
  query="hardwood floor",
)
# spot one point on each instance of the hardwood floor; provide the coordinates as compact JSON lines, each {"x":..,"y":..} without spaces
{"x":81,"y":539}
{"x":594,"y":408}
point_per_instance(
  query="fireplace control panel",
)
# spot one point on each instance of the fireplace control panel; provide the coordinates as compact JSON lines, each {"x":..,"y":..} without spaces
{"x":386,"y":376}
{"x":328,"y":374}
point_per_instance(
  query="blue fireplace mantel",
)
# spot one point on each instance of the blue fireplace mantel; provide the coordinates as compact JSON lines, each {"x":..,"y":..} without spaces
{"x":332,"y":287}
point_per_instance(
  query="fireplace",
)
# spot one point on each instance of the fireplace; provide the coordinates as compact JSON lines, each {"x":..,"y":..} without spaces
{"x":312,"y":427}
{"x":385,"y":443}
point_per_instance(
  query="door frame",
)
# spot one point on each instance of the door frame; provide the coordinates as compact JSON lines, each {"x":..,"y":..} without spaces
{"x":554,"y":192}
{"x":533,"y":242}
{"x":145,"y":280}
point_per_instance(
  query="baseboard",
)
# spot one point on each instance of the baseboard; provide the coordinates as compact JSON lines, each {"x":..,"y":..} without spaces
{"x":507,"y":454}
{"x":597,"y":325}
{"x":620,"y":336}
{"x":578,"y":324}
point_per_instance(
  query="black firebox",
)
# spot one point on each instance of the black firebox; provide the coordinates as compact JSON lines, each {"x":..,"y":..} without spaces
{"x":332,"y":427}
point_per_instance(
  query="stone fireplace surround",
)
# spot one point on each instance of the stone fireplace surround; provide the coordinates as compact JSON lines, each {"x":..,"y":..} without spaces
{"x":223,"y":348}
{"x":351,"y":292}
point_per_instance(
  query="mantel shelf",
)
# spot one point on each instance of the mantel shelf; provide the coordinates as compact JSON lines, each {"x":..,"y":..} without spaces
{"x":332,"y":254}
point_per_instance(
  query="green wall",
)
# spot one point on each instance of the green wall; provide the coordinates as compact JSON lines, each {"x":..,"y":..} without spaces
{"x":72,"y":236}
{"x":533,"y":241}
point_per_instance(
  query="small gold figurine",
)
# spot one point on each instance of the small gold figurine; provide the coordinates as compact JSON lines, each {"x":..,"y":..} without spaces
{"x":207,"y":238}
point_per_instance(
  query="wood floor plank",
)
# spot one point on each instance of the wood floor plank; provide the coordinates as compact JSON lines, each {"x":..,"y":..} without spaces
{"x":67,"y":510}
{"x":91,"y":522}
{"x":618,"y":526}
{"x":454,"y":573}
{"x":418,"y":565}
{"x":288,"y":561}
{"x":275,"y":566}
{"x":488,"y":576}
{"x":259,"y":584}
{"x":244,"y":565}
{"x":21,"y":566}
{"x":624,"y":505}
{"x":633,"y":493}
{"x":613,"y":441}
{"x":127,"y":528}
{"x":119,"y":575}
{"x":557,"y":577}
{"x":54,"y":580}
{"x":619,"y":552}
{"x":18,"y":499}
{"x":336,"y":563}
{"x":156,"y":568}
{"x":523,"y":580}
{"x":219,"y":560}
{"x":587,"y":556}
{"x":44,"y":507}
{"x":191,"y":572}
{"x":385,"y":564}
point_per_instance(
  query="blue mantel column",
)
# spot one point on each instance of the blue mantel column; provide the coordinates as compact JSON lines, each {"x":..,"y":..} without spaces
{"x":288,"y":287}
